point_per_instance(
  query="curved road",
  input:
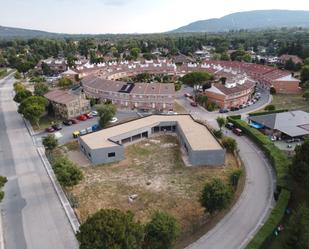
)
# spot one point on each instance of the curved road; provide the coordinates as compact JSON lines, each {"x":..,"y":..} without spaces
{"x":236,"y":229}
{"x":32,"y":216}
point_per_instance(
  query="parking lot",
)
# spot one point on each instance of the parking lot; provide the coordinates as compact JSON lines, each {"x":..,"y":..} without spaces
{"x":66,"y":131}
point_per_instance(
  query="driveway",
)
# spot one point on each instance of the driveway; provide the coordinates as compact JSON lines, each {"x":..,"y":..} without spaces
{"x":32,"y":216}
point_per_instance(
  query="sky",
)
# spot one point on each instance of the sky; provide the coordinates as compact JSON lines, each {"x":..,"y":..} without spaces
{"x":125,"y":16}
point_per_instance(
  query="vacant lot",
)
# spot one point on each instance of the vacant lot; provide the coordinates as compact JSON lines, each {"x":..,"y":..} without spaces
{"x":290,"y":101}
{"x":153,"y":170}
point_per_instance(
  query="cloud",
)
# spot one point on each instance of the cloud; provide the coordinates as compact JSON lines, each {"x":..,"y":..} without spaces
{"x":115,"y":2}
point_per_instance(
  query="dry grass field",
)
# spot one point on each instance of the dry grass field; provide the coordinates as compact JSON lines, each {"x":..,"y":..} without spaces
{"x":153,"y":171}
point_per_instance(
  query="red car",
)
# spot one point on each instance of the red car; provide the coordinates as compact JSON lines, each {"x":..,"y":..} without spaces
{"x":194,"y":104}
{"x":82,"y":118}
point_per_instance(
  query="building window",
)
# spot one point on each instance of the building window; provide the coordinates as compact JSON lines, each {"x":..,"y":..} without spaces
{"x":111,"y":154}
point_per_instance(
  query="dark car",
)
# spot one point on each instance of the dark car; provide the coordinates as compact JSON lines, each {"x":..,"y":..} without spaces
{"x":194,"y":104}
{"x":234,"y":109}
{"x":223,"y":110}
{"x":67,"y":122}
{"x":229,"y":126}
{"x":57,"y":127}
{"x":50,"y":129}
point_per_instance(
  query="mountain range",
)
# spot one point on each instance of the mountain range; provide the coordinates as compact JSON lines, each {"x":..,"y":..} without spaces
{"x":258,"y":19}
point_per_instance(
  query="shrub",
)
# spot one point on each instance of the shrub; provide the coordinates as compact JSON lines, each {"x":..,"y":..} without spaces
{"x":230,"y":144}
{"x":216,"y":195}
{"x":270,"y":108}
{"x":267,"y":112}
{"x":67,"y":173}
{"x":235,"y":176}
{"x":211,"y":106}
{"x":218,"y":133}
{"x":50,"y":142}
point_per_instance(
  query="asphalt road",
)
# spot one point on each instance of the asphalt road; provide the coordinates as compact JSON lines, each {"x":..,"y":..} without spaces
{"x":33,"y":217}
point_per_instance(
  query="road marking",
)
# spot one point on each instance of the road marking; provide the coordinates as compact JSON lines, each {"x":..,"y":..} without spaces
{"x":1,"y":232}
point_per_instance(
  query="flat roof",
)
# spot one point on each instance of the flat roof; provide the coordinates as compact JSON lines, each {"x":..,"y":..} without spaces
{"x":198,"y":136}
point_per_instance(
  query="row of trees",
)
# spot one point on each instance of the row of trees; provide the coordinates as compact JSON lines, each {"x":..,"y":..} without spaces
{"x":112,"y":228}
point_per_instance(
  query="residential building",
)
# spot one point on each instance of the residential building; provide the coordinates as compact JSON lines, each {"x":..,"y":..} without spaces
{"x":67,"y":105}
{"x":285,"y":57}
{"x":285,"y":124}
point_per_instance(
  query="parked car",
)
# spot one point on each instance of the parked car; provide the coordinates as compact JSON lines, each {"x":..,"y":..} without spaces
{"x":114,"y":120}
{"x":50,"y":129}
{"x":82,"y":118}
{"x":74,"y":121}
{"x":235,"y":108}
{"x":229,"y":126}
{"x":94,"y":113}
{"x":223,"y":110}
{"x":57,"y":127}
{"x":82,"y":132}
{"x":89,"y":115}
{"x":67,"y":122}
{"x":237,"y":131}
{"x":194,"y":104}
{"x":76,"y":134}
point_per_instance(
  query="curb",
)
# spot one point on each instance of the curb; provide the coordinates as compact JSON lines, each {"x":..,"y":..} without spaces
{"x":74,"y":222}
{"x":1,"y":232}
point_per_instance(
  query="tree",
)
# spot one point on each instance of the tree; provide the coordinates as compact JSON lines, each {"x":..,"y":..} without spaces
{"x":40,"y":88}
{"x":290,"y":65}
{"x":17,"y":75}
{"x":230,"y":144}
{"x":33,"y":108}
{"x":297,"y":233}
{"x":272,"y":90}
{"x":221,"y":122}
{"x":306,"y":94}
{"x":67,"y":173}
{"x":161,"y":232}
{"x":197,"y":79}
{"x":21,"y":95}
{"x":3,"y":181}
{"x":134,"y":52}
{"x":304,"y":74}
{"x":300,"y":163}
{"x":110,"y":229}
{"x":216,"y":196}
{"x":65,"y":82}
{"x":46,"y":69}
{"x":306,"y":62}
{"x":50,"y":142}
{"x":225,"y":57}
{"x":270,"y":108}
{"x":201,"y":99}
{"x":218,"y":133}
{"x":106,"y":113}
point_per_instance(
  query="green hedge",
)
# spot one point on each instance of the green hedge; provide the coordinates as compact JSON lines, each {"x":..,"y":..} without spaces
{"x":277,"y":158}
{"x":267,"y":112}
{"x":266,"y":231}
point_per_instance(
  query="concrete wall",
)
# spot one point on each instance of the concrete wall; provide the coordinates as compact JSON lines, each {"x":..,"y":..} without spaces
{"x":207,"y":157}
{"x":100,"y":156}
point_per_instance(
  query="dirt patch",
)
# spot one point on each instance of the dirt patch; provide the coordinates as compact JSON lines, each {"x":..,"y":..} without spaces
{"x":154,"y":173}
